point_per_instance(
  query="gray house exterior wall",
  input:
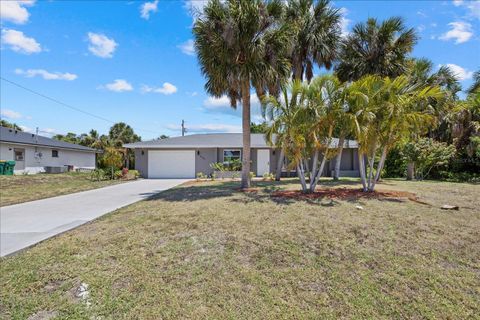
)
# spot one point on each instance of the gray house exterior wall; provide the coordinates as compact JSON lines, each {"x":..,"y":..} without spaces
{"x":141,"y":161}
{"x":206,"y":156}
{"x":203,"y":158}
{"x":209,"y":148}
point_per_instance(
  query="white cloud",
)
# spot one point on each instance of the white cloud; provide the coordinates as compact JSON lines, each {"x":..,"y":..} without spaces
{"x":19,"y":42}
{"x":101,"y":45}
{"x":147,"y":8}
{"x":459,"y":31}
{"x":166,"y":89}
{"x":195,"y":7}
{"x":207,"y":128}
{"x":460,"y":73}
{"x":421,"y":13}
{"x":222,"y":105}
{"x":421,"y":28}
{"x":26,"y":129}
{"x":49,"y":132}
{"x":10,"y":114}
{"x":15,"y":11}
{"x":344,"y":22}
{"x":187,"y":47}
{"x":224,"y":102}
{"x":30,"y":73}
{"x":473,"y":7}
{"x":215,"y":103}
{"x":119,"y":85}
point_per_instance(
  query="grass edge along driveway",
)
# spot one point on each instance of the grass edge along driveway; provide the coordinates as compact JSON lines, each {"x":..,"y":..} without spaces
{"x":23,"y":188}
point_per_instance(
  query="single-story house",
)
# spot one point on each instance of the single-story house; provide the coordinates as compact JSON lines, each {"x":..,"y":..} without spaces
{"x":33,"y":153}
{"x":185,"y":156}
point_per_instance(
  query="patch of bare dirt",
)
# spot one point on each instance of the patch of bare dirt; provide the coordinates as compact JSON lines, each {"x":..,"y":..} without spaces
{"x":347,"y":194}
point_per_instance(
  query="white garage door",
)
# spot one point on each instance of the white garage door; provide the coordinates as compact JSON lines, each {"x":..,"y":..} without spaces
{"x":171,"y":164}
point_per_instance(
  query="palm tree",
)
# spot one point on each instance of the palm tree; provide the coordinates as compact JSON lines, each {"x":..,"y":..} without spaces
{"x":393,"y":110}
{"x":476,"y":83}
{"x":421,"y":72}
{"x":286,"y":130}
{"x":240,"y":44}
{"x":119,"y":134}
{"x":375,"y":48}
{"x":316,"y":38}
{"x":326,"y":98}
{"x":303,"y":120}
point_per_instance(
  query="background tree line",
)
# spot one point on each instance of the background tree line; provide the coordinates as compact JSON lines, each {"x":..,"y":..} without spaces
{"x":114,"y":154}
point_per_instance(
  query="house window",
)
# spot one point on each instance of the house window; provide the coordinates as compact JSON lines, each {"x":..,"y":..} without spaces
{"x":19,"y":155}
{"x":54,"y":153}
{"x":231,"y":155}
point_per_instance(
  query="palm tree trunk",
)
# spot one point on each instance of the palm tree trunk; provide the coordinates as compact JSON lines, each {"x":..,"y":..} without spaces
{"x":305,"y":165}
{"x":380,"y":167}
{"x":371,"y":162}
{"x":338,"y":160}
{"x":410,"y":170}
{"x":278,"y":173}
{"x":361,"y":168}
{"x":246,"y":133}
{"x":313,"y":183}
{"x":301,"y":176}
{"x":314,"y":165}
{"x":298,"y":74}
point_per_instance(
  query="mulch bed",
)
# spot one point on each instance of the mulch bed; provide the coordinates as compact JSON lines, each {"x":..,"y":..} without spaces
{"x":346,"y":194}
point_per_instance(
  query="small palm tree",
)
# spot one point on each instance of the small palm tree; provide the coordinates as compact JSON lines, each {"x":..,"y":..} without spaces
{"x":240,"y":44}
{"x":326,"y":101}
{"x":303,"y":120}
{"x":317,"y":35}
{"x":393,"y":110}
{"x":287,"y":122}
{"x":375,"y":48}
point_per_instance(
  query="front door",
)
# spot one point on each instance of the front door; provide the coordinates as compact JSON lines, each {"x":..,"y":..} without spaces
{"x":19,"y":157}
{"x":263,"y":161}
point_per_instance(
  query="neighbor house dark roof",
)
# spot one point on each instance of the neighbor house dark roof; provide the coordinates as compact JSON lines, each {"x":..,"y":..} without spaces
{"x":9,"y":135}
{"x":214,"y":140}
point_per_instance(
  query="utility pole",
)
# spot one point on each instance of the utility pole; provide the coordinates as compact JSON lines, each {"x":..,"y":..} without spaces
{"x":183,"y":128}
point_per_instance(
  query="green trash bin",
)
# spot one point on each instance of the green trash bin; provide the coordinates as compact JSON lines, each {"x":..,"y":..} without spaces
{"x":8,"y":169}
{"x":2,"y":167}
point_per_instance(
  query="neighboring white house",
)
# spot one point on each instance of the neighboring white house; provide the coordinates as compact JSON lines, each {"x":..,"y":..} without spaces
{"x":32,"y":153}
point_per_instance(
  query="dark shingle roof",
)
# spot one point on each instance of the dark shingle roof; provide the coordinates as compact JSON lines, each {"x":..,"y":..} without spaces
{"x":15,"y":136}
{"x":214,"y":140}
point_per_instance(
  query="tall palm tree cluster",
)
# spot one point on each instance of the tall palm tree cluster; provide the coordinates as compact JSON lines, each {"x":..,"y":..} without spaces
{"x":111,"y":143}
{"x":377,"y":94}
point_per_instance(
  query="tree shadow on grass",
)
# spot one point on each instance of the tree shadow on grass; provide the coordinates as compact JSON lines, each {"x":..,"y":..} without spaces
{"x":261,"y":192}
{"x":195,"y":193}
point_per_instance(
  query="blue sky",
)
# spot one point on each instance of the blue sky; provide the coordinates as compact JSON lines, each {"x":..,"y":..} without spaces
{"x":133,"y":61}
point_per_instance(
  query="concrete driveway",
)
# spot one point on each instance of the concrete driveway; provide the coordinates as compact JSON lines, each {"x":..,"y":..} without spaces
{"x":25,"y":224}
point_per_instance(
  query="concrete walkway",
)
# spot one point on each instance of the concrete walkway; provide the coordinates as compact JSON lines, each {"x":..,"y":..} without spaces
{"x":25,"y":224}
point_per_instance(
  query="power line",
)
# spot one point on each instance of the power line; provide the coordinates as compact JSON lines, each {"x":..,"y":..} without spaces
{"x":67,"y":105}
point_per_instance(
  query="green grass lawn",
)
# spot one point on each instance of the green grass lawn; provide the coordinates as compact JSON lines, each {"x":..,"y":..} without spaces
{"x":206,"y":250}
{"x":23,"y":188}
